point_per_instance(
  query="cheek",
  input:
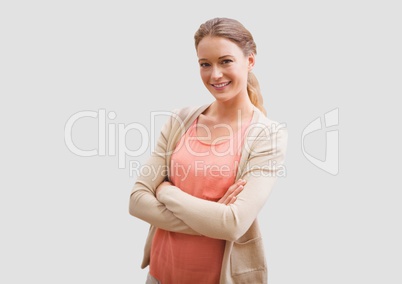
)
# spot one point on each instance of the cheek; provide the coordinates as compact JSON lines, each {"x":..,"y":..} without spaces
{"x":204,"y":76}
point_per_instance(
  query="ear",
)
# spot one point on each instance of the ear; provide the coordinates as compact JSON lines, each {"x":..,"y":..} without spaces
{"x":251,"y":61}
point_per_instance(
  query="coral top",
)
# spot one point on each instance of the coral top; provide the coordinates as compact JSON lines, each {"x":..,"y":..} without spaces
{"x":205,"y":171}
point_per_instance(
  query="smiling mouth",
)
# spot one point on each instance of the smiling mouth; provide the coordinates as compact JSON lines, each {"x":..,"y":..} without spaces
{"x":221,"y":85}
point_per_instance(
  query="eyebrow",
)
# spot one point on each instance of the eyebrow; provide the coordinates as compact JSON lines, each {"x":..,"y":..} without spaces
{"x":218,"y":57}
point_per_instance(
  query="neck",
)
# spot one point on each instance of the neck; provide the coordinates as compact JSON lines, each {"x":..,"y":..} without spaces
{"x":230,"y":110}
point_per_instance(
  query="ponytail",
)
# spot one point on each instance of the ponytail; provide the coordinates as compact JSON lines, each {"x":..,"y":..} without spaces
{"x":254,"y":92}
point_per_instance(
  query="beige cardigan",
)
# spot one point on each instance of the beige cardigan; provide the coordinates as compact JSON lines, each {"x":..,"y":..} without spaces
{"x":262,"y":157}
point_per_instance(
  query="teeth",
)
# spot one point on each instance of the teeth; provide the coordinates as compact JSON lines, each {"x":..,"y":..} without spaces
{"x":221,"y":85}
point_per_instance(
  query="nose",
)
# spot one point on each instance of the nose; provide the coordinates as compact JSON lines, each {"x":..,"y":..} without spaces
{"x":216,"y":73}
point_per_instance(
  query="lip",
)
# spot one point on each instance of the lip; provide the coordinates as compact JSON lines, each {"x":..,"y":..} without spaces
{"x":221,"y":85}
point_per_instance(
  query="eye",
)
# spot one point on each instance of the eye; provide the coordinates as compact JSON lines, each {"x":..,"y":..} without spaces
{"x":227,"y":61}
{"x":204,"y":64}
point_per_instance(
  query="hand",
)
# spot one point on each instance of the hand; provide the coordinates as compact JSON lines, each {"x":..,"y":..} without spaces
{"x":158,"y":189}
{"x":231,"y":194}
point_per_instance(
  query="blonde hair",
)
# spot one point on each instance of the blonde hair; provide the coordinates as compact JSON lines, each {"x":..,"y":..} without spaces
{"x":234,"y":31}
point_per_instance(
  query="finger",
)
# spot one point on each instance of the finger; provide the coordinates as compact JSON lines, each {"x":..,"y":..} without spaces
{"x":232,"y":191}
{"x":232,"y":200}
{"x":241,"y":182}
{"x":225,"y":198}
{"x":235,"y":192}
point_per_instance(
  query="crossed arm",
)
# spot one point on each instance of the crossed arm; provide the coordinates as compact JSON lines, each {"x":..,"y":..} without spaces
{"x":167,"y":207}
{"x":146,"y":206}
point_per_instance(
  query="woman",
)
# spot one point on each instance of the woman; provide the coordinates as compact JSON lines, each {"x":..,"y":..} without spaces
{"x":216,"y":165}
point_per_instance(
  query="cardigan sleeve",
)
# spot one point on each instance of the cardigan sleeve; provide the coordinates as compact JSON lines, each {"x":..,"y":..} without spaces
{"x":230,"y":222}
{"x":143,"y":203}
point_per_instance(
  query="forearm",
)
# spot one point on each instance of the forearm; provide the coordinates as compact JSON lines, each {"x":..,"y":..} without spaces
{"x":216,"y":220}
{"x":203,"y":215}
{"x":146,"y":207}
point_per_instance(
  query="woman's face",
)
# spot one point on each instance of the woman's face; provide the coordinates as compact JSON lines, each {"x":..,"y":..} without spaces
{"x":224,"y":68}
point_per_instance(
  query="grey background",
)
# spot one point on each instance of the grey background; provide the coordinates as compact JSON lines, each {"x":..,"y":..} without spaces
{"x":64,"y":218}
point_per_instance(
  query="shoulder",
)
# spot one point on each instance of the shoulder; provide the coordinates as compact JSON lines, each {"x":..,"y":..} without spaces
{"x":184,"y":112}
{"x":265,"y":135}
{"x":265,"y":126}
{"x":181,"y":119}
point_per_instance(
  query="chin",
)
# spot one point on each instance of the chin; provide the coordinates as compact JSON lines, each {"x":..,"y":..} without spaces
{"x":222,"y":98}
